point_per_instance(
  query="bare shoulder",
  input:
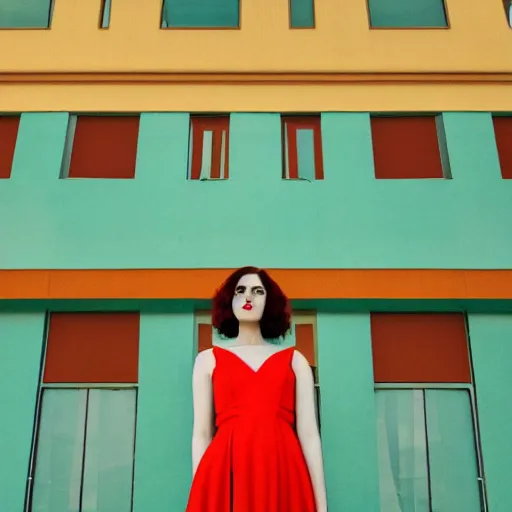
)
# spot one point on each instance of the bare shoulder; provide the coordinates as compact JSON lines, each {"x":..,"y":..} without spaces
{"x":300,"y":364}
{"x":205,"y":361}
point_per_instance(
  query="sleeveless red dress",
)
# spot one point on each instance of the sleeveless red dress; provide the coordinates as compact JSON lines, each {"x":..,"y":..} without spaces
{"x":254,"y":462}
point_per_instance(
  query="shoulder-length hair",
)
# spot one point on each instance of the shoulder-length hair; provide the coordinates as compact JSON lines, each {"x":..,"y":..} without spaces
{"x":275,"y":322}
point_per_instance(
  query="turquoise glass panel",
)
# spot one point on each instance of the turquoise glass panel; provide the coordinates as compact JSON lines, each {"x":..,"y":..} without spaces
{"x":306,"y":154}
{"x":60,"y":448}
{"x":105,"y":18}
{"x":451,"y":451}
{"x":407,"y":13}
{"x":109,"y":451}
{"x":25,"y":13}
{"x":302,"y":13}
{"x":201,"y":13}
{"x":403,"y":466}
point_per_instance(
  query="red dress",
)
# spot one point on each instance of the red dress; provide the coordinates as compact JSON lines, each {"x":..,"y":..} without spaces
{"x":255,"y":462}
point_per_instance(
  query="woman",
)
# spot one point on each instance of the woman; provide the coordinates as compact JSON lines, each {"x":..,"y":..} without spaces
{"x":255,"y":444}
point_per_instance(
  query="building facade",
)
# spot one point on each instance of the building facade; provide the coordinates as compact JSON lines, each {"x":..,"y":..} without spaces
{"x":360,"y":150}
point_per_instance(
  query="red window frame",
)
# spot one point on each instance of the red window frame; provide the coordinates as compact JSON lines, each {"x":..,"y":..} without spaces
{"x":503,"y":134}
{"x":9,"y":127}
{"x":406,"y":147}
{"x":92,"y":348}
{"x":218,"y":125}
{"x":104,"y":147}
{"x":290,"y":125}
{"x":420,"y":348}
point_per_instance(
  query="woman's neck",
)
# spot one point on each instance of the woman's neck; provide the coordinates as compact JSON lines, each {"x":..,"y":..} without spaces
{"x":249,"y":333}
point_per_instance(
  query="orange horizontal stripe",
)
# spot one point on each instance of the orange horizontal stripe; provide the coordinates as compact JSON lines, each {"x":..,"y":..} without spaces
{"x":255,"y":78}
{"x":298,"y":284}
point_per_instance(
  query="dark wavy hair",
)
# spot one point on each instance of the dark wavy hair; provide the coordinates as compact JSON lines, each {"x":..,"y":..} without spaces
{"x":275,"y":322}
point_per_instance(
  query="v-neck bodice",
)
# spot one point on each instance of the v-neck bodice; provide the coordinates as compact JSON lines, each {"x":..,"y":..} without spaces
{"x":242,"y":392}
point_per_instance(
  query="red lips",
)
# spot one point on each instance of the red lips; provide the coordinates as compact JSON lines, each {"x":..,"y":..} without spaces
{"x":247,"y":307}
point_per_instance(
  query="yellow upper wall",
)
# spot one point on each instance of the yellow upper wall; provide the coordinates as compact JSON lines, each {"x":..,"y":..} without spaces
{"x":479,"y":40}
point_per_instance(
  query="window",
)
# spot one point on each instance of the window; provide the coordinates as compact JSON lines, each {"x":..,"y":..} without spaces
{"x":304,"y":334}
{"x":304,"y":327}
{"x":105,"y":13}
{"x":429,"y":457}
{"x":406,"y":14}
{"x":25,"y":13}
{"x":200,"y":14}
{"x":420,"y":348}
{"x":92,"y":347}
{"x":8,"y":133}
{"x":302,"y":148}
{"x":209,"y":148}
{"x":204,"y":331}
{"x":302,"y":13}
{"x":101,"y":147}
{"x":84,"y":450}
{"x":409,"y":147}
{"x":508,"y":11}
{"x":503,"y":133}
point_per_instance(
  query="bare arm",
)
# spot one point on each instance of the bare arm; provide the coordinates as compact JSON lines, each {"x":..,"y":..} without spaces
{"x":203,"y":430}
{"x":307,"y":428}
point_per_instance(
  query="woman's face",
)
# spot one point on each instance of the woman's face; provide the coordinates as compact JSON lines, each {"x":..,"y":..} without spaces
{"x":249,"y":299}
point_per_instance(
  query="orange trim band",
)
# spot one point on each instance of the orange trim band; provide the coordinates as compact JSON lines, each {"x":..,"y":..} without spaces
{"x":257,"y":78}
{"x":298,"y":284}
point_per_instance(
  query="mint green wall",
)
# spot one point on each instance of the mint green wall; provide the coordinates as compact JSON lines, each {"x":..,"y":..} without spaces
{"x":491,"y":347}
{"x":349,"y":424}
{"x":348,"y":220}
{"x":163,"y":469}
{"x":21,"y":343}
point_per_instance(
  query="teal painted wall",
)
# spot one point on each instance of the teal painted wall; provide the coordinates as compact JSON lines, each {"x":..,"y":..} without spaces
{"x":349,"y":220}
{"x":349,"y":424}
{"x":491,"y":347}
{"x":21,"y":344}
{"x":163,"y":467}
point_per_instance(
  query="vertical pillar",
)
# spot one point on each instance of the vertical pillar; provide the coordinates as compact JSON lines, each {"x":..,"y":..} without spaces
{"x":39,"y":149}
{"x":349,"y":432}
{"x":21,"y":345}
{"x":163,"y":465}
{"x":471,"y":147}
{"x":348,"y":151}
{"x":491,"y":348}
{"x":162,"y":149}
{"x":255,"y":153}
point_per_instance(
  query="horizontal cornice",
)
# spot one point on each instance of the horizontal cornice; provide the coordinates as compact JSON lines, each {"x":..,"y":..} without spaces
{"x":256,"y":78}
